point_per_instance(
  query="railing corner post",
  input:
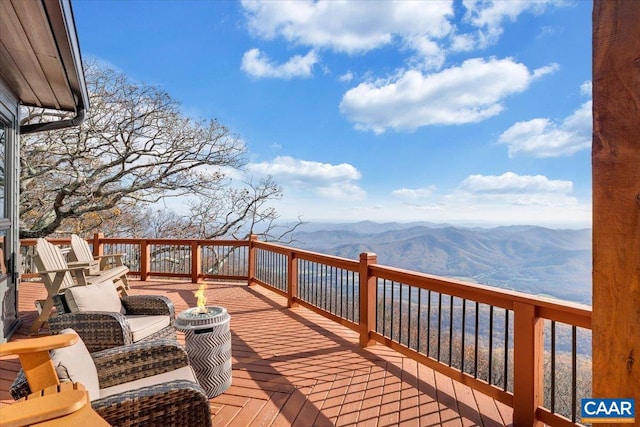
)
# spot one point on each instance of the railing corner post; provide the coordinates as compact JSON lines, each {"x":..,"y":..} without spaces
{"x":98,"y":246}
{"x":196,"y":261}
{"x":292,"y":280}
{"x":528,"y":348}
{"x":145,"y":260}
{"x":251,"y":262}
{"x":367,"y":293}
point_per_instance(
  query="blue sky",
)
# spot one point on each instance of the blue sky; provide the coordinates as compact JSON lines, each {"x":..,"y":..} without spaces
{"x":465,"y":112}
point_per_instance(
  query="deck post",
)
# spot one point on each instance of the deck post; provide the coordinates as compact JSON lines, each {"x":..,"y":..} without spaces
{"x":367,"y":293}
{"x":145,"y":260}
{"x":615,"y":163}
{"x":528,"y":347}
{"x":196,"y":261}
{"x":251,"y":262}
{"x":98,"y":246}
{"x":292,"y":279}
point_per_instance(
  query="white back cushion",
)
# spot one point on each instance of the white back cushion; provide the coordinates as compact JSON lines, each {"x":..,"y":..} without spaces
{"x":95,"y":297}
{"x":74,"y":363}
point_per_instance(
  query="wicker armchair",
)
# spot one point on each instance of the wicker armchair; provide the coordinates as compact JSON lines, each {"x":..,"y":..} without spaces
{"x":105,"y":329}
{"x":143,"y":384}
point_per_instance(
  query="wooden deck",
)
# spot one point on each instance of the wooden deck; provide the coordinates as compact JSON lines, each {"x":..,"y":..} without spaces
{"x":294,"y":367}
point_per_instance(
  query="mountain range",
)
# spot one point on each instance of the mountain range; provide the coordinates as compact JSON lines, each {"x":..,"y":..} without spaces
{"x":541,"y":261}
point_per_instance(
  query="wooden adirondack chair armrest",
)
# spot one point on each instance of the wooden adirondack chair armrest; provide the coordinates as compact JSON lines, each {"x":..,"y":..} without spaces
{"x":37,"y":345}
{"x":79,"y":264}
{"x":34,"y":357}
{"x":108,"y":256}
{"x":64,"y":270}
{"x":32,"y":411}
{"x":117,"y":259}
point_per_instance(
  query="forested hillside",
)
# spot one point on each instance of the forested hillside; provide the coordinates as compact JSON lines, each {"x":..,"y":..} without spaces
{"x":537,"y":260}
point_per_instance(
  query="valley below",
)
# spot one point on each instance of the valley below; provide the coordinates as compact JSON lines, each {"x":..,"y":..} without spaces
{"x":553,"y":263}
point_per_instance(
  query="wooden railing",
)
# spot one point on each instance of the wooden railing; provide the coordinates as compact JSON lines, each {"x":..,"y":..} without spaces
{"x":525,"y":351}
{"x":180,"y":258}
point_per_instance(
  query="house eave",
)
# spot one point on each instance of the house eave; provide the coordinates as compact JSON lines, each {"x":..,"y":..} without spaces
{"x":40,"y":57}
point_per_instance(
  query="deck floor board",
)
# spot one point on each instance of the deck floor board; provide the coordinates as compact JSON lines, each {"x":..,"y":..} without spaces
{"x":295,"y":367}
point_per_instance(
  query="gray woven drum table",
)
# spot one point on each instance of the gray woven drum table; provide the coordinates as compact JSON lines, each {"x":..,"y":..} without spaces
{"x":208,"y":344}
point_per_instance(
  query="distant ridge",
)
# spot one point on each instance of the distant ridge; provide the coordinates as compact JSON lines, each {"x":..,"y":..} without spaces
{"x":537,"y":260}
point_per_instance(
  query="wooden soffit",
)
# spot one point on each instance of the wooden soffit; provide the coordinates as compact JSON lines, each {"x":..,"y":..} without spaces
{"x":39,"y":54}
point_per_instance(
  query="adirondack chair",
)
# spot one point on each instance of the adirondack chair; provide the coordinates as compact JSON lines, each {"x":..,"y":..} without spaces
{"x":58,"y":275}
{"x":81,"y":252}
{"x":51,"y":403}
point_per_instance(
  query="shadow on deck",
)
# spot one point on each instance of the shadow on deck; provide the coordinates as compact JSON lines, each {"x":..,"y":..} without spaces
{"x":295,"y":367}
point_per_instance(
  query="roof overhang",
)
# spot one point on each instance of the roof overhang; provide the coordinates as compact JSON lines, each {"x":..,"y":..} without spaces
{"x":40,"y":57}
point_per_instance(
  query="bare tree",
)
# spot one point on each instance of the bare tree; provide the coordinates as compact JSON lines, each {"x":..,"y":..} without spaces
{"x":134,"y":149}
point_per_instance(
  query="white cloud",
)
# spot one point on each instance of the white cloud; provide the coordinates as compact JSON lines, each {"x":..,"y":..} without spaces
{"x":257,"y":64}
{"x":462,"y":42}
{"x":511,"y":183}
{"x":350,"y":27}
{"x":543,"y":71}
{"x":542,"y":138}
{"x":586,"y":88}
{"x":472,"y":92}
{"x":415,"y":193}
{"x":306,"y":170}
{"x":489,"y":16}
{"x":344,"y":191}
{"x":346,"y":77}
{"x":513,"y":199}
{"x":326,"y":180}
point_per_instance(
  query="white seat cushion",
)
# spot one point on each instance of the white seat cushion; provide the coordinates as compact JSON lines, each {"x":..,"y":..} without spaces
{"x":74,"y":363}
{"x":143,"y":325}
{"x":95,"y":297}
{"x":184,"y":373}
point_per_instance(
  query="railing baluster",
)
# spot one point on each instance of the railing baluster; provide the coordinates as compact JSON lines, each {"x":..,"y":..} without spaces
{"x":464,"y":328}
{"x":409,"y":319}
{"x":428,"y":322}
{"x":553,"y":366}
{"x":384,"y":307}
{"x":340,"y":291}
{"x":325,"y":287}
{"x":477,"y":334}
{"x":490,"y":374}
{"x":450,"y":329}
{"x":393,"y":305}
{"x":419,"y":326}
{"x":334,"y":289}
{"x":574,"y":373}
{"x":314,"y":283}
{"x":506,"y":348}
{"x":400,"y":314}
{"x":439,"y":322}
